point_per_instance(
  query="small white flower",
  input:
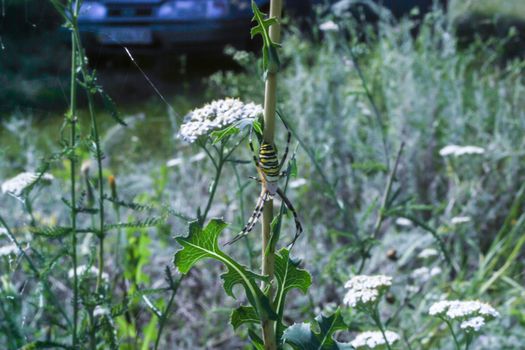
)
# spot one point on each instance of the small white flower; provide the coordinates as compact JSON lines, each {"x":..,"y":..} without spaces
{"x":83,"y":269}
{"x":403,"y":222}
{"x":329,"y":26}
{"x":473,"y":325}
{"x":455,"y":150}
{"x":424,"y":274}
{"x":365,"y":290}
{"x":217,"y":115}
{"x":374,"y":339}
{"x":456,"y":309}
{"x":101,"y":311}
{"x":428,"y":253}
{"x":460,"y":220}
{"x":16,"y":185}
{"x":298,"y":183}
{"x":8,"y":250}
{"x":3,"y":231}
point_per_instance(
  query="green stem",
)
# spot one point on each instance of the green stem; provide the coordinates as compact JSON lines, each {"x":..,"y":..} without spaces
{"x":377,"y":320}
{"x":96,"y":139}
{"x":241,"y":210}
{"x":72,"y":145}
{"x":166,"y":313}
{"x":456,"y":342}
{"x":267,"y":249}
{"x":218,"y":170}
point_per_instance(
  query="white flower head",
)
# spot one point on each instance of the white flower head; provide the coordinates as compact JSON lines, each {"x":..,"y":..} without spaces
{"x":473,"y":324}
{"x":424,"y":274}
{"x":83,"y":269}
{"x":217,"y":115}
{"x":329,"y":26}
{"x":460,"y":220}
{"x":403,"y":222}
{"x":428,"y":253}
{"x":373,"y":339}
{"x":101,"y":311}
{"x":366,"y":290}
{"x":463,"y":310}
{"x":8,"y":250}
{"x":455,"y":150}
{"x":15,"y":186}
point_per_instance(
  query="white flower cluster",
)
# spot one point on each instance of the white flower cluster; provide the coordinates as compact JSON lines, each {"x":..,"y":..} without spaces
{"x":424,"y":274}
{"x":8,"y":250}
{"x":365,"y":290}
{"x":428,"y":253}
{"x":83,"y":269}
{"x":329,"y":26}
{"x":460,"y":220}
{"x":216,"y":116}
{"x":16,"y":185}
{"x":455,"y":150}
{"x":374,"y":339}
{"x":473,"y":314}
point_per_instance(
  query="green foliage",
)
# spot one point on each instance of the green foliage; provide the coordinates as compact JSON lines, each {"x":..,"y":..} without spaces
{"x":270,"y":57}
{"x":302,"y":337}
{"x":202,"y":243}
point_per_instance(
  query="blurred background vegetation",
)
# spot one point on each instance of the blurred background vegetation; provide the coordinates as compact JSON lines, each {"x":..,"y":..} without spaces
{"x":432,"y":80}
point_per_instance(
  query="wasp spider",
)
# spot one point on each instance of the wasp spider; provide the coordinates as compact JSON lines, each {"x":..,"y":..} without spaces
{"x":269,"y":170}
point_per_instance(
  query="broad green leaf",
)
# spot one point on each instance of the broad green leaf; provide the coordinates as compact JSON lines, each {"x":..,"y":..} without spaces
{"x":243,"y":315}
{"x":288,"y":277}
{"x":301,"y":336}
{"x":204,"y":244}
{"x":270,"y":58}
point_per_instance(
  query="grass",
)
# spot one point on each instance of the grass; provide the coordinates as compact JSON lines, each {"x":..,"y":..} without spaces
{"x":427,"y":93}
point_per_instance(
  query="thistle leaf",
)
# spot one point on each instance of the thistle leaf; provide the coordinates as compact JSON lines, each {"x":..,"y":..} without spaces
{"x":243,"y":315}
{"x":301,"y":337}
{"x":203,"y":244}
{"x":270,"y":58}
{"x":288,"y":277}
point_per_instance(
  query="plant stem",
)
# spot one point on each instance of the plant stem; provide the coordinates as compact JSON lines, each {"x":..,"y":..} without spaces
{"x":166,"y":313}
{"x":72,"y":145}
{"x":270,"y":106}
{"x":456,"y":342}
{"x":377,"y":320}
{"x":218,"y":170}
{"x":98,"y":152}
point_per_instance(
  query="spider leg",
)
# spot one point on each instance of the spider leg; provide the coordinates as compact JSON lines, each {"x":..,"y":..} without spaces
{"x":289,"y":205}
{"x":288,"y":139}
{"x":254,"y":155}
{"x":265,"y":195}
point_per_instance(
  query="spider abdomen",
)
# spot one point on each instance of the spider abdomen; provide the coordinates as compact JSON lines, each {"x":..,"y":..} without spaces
{"x":269,"y":163}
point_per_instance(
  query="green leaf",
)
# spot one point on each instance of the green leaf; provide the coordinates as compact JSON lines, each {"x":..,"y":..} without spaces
{"x":243,"y":315}
{"x":270,"y":58}
{"x":288,"y":277}
{"x":301,"y":337}
{"x":219,"y":135}
{"x":203,"y":244}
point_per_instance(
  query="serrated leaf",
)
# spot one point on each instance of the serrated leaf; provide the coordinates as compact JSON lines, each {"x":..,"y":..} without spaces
{"x":243,"y":315}
{"x":288,"y":277}
{"x":301,"y":337}
{"x":270,"y":58}
{"x":51,"y":231}
{"x":203,"y":244}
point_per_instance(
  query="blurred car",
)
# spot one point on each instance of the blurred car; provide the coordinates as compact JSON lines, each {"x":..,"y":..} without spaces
{"x":203,"y":25}
{"x":171,"y":24}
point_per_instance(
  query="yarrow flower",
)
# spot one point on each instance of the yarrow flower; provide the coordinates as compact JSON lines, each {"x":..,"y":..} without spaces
{"x":460,"y":220}
{"x":455,"y":150}
{"x":472,"y":314}
{"x":473,"y":325}
{"x":15,"y":186}
{"x":365,"y":290}
{"x":428,"y":253}
{"x":83,"y":269}
{"x":217,"y":115}
{"x":329,"y":26}
{"x":374,"y":339}
{"x":424,"y":274}
{"x":8,"y":250}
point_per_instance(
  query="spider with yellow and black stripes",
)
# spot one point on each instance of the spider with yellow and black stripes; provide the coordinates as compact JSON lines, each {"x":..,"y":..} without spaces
{"x":269,"y":169}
